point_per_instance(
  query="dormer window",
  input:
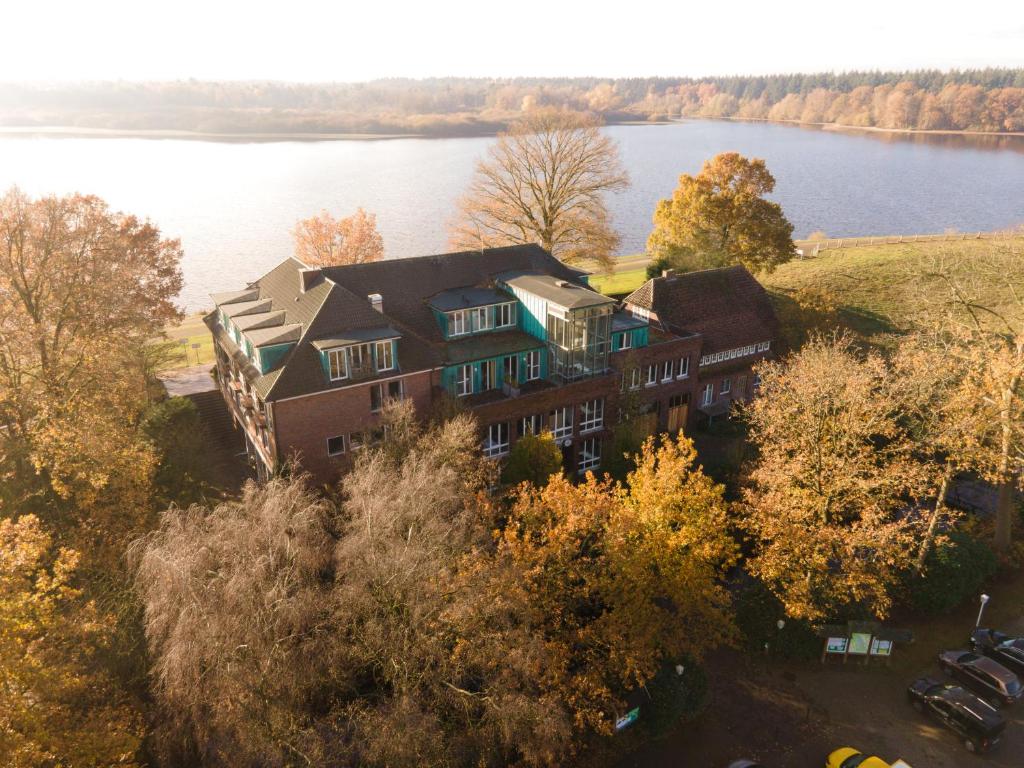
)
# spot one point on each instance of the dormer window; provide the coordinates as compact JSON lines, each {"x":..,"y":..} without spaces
{"x":457,"y":325}
{"x":504,"y":315}
{"x":385,"y":356}
{"x":349,"y":362}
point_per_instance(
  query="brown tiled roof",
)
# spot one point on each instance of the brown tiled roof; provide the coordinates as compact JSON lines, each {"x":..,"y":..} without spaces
{"x":727,"y":306}
{"x":407,"y":285}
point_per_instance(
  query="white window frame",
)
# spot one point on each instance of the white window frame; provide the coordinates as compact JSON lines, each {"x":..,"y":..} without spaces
{"x":356,"y":441}
{"x":627,"y":340}
{"x":725,"y":387}
{"x":668,"y":370}
{"x":464,"y":381}
{"x":385,"y":350}
{"x":652,"y":375}
{"x":337,"y":357}
{"x":488,"y":375}
{"x":589,"y":455}
{"x":481,"y":318}
{"x":530,"y":425}
{"x":709,"y":394}
{"x":510,"y":368}
{"x":533,"y":365}
{"x":561,"y":422}
{"x":457,"y":325}
{"x":635,"y":378}
{"x":343,"y":443}
{"x":505,"y":315}
{"x":494,"y":446}
{"x":591,"y":415}
{"x":684,"y":367}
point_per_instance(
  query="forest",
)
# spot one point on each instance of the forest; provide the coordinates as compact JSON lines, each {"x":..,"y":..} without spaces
{"x":989,"y":100}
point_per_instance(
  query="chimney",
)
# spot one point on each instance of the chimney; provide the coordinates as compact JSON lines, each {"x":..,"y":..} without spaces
{"x":668,"y":273}
{"x":307,"y":278}
{"x":376,"y":301}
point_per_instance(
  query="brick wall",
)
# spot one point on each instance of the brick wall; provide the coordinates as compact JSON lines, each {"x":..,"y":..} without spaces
{"x":303,"y":425}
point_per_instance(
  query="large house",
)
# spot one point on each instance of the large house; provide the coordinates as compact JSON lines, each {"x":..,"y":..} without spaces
{"x":307,"y":358}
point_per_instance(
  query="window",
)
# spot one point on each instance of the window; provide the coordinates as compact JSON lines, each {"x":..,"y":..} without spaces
{"x":668,"y":370}
{"x":355,"y":441}
{"x":561,"y":422}
{"x":530,"y":425}
{"x":709,"y":394}
{"x":533,"y":365}
{"x":380,"y":394}
{"x":591,"y":415}
{"x":652,"y":376}
{"x":464,"y":380}
{"x":482,"y":318}
{"x":634,"y":378}
{"x":488,"y":379}
{"x":590,"y":454}
{"x":741,"y":386}
{"x":385,"y":356}
{"x":726,"y":387}
{"x":338,"y":364}
{"x":505,"y":315}
{"x":684,"y":367}
{"x":755,"y":383}
{"x":627,"y":340}
{"x":457,"y":323}
{"x":358,"y":359}
{"x":496,"y":443}
{"x":336,"y":445}
{"x":510,"y":366}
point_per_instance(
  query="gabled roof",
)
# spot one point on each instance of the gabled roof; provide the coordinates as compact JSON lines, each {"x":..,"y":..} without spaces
{"x":408,"y":285}
{"x":727,"y":306}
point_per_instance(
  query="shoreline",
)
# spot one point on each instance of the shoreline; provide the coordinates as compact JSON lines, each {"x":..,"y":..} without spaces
{"x":76,"y":132}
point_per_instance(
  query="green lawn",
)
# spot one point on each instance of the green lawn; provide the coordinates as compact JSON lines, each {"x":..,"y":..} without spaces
{"x":874,"y":285}
{"x":192,"y":331}
{"x":619,"y":282}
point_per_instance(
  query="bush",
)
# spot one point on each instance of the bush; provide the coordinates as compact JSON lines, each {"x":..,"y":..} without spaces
{"x":954,"y":572}
{"x":757,"y":614}
{"x":174,"y":428}
{"x":534,"y":458}
{"x":674,"y":698}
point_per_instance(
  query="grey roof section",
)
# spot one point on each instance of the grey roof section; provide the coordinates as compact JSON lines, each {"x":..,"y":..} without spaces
{"x":356,"y":336}
{"x":278,"y":334}
{"x":564,"y":293}
{"x":466,"y":298}
{"x":624,"y":321}
{"x":259,"y":320}
{"x":232,"y":297}
{"x":490,"y":345}
{"x":243,"y":308}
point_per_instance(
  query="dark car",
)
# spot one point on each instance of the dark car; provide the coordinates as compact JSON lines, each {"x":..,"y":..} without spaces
{"x":1008,"y":651}
{"x":982,"y":675}
{"x":977,"y":722}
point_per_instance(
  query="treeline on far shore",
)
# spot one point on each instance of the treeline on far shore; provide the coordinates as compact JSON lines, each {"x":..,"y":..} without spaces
{"x":990,"y":100}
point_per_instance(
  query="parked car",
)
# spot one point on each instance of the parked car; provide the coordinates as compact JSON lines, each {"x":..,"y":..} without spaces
{"x":983,"y":675}
{"x":848,"y":757}
{"x":1007,"y":650}
{"x":976,"y":721}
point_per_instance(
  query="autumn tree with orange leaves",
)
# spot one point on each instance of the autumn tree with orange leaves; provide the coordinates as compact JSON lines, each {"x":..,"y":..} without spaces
{"x":324,"y":241}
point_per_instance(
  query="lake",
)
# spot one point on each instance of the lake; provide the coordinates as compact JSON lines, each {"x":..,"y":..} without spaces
{"x":233,"y":204}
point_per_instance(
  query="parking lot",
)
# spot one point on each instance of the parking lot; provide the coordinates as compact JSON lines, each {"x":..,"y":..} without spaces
{"x":791,"y":715}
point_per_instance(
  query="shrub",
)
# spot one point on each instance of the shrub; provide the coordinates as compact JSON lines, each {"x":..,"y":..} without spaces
{"x":534,"y":458}
{"x":954,"y":572}
{"x":674,"y":698}
{"x":757,"y":614}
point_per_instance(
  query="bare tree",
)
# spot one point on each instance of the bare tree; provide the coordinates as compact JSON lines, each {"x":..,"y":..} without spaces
{"x":545,"y":181}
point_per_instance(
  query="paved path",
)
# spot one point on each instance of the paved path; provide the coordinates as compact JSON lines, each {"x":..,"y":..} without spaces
{"x":188,"y":381}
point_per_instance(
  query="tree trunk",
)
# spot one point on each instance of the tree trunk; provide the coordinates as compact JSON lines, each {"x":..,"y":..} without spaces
{"x":933,"y":524}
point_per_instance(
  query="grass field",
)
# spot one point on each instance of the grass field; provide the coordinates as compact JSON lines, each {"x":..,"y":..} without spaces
{"x":874,"y":285}
{"x":192,"y":331}
{"x":618,"y":283}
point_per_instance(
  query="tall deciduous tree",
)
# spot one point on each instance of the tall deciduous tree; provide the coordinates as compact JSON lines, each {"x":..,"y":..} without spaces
{"x":973,"y":305}
{"x":721,"y":217}
{"x":324,"y":241}
{"x":545,"y":181}
{"x":833,"y":480}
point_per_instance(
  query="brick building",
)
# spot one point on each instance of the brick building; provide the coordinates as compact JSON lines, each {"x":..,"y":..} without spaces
{"x":307,"y":358}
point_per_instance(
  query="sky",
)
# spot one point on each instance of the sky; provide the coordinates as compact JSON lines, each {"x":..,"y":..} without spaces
{"x":301,"y":40}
